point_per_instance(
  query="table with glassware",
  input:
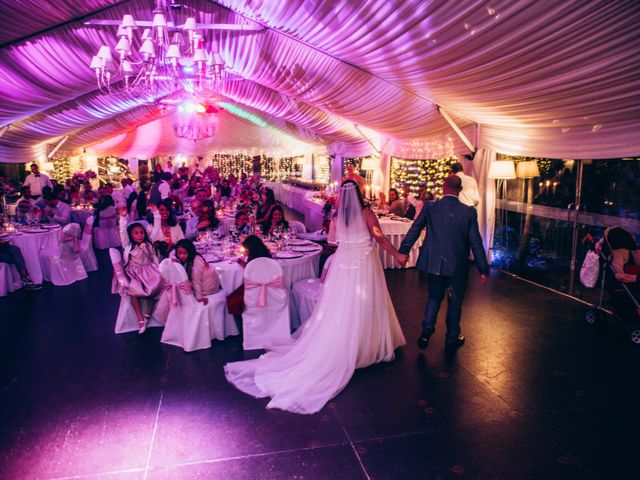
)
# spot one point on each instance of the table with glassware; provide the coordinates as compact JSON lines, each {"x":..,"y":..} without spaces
{"x":299,"y":258}
{"x":30,"y":239}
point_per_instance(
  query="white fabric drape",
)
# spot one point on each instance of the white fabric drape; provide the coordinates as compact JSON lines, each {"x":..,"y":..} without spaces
{"x":550,"y":79}
{"x":479,"y":169}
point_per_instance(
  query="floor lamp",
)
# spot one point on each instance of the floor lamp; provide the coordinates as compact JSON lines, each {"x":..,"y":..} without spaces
{"x":503,"y":170}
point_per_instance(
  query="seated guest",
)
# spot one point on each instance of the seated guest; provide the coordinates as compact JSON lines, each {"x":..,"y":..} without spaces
{"x":255,"y":248}
{"x":25,"y":193}
{"x":224,"y":190}
{"x":13,"y":256}
{"x":412,"y":205}
{"x":192,"y":222}
{"x":268,"y":201}
{"x":23,"y":209}
{"x":41,"y":203}
{"x":207,"y":219}
{"x":275,"y":221}
{"x":61,"y":193}
{"x":165,"y":227}
{"x":56,"y":211}
{"x":242,"y":222}
{"x":395,"y":205}
{"x":204,"y":279}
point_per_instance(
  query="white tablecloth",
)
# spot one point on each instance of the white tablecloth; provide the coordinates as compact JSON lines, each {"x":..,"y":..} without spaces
{"x":396,"y":230}
{"x":30,"y":245}
{"x":232,"y":274}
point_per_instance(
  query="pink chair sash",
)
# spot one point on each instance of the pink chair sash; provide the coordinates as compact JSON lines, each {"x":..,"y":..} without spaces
{"x":262,"y":296}
{"x":69,"y":237}
{"x":172,"y":289}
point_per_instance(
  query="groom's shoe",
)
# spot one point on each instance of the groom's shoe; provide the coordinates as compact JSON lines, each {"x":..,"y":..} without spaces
{"x":423,"y":341}
{"x":458,"y":342}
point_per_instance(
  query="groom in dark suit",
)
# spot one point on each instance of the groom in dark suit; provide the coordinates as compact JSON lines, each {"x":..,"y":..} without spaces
{"x":452,"y":228}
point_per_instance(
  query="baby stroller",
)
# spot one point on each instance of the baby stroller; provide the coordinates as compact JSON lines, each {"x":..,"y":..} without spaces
{"x":619,"y":275}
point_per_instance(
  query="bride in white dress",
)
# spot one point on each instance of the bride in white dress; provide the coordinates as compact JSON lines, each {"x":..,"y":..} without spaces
{"x":352,"y":326}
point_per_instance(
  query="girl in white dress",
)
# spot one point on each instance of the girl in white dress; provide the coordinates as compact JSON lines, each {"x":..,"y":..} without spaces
{"x":353,"y":325}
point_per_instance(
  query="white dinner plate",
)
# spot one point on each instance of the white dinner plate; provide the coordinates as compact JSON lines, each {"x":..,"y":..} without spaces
{"x":288,"y":255}
{"x":33,"y":230}
{"x":299,"y":242}
{"x":49,"y":227}
{"x":307,"y":248}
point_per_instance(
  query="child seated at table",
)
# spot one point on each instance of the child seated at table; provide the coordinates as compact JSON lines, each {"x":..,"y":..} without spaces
{"x":255,"y":248}
{"x":204,"y":279}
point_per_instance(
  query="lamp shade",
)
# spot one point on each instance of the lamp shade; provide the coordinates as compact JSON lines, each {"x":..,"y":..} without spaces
{"x":173,"y":51}
{"x":126,"y":67}
{"x":128,"y":22}
{"x":190,"y":24}
{"x":369,"y":164}
{"x":123,"y":46}
{"x":528,"y":169}
{"x":199,"y":56}
{"x":502,"y":169}
{"x":147,"y":48}
{"x":217,"y":59}
{"x":104,"y":53}
{"x":159,"y":20}
{"x":96,"y":62}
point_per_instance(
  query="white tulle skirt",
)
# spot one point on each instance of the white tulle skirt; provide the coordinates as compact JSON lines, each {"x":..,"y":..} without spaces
{"x":353,"y":325}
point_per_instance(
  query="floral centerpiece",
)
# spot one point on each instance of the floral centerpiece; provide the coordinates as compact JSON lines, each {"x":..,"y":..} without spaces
{"x":250,"y":192}
{"x":330,"y":201}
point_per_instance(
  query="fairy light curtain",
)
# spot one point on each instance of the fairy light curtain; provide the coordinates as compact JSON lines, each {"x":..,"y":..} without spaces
{"x":414,"y":173}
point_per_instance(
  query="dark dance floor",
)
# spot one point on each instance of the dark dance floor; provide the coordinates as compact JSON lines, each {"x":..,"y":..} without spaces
{"x":535,"y":393}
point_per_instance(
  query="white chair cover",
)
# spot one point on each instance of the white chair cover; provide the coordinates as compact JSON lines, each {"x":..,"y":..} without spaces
{"x":305,"y":294}
{"x":221,"y":324}
{"x":87,"y":255}
{"x":106,"y":234}
{"x":265,"y":321}
{"x":188,"y":320}
{"x":299,"y":226}
{"x":62,"y":265}
{"x":126,"y":321}
{"x":9,"y":279}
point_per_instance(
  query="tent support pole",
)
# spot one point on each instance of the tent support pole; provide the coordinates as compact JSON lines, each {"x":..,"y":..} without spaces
{"x":456,"y":129}
{"x":57,"y":147}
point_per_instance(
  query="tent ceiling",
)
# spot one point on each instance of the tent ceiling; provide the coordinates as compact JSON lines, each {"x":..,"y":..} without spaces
{"x":545,"y":78}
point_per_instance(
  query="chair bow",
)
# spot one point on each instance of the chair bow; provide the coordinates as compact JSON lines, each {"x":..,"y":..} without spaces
{"x":172,"y":288}
{"x":70,"y":237}
{"x":262,"y":296}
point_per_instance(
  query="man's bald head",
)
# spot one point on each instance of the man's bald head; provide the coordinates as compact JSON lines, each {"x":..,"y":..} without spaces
{"x":452,"y":185}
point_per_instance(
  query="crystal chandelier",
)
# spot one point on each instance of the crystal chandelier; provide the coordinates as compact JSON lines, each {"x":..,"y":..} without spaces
{"x":165,"y":51}
{"x":196,"y":121}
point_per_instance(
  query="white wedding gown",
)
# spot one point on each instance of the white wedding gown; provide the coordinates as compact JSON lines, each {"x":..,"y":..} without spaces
{"x":353,"y":325}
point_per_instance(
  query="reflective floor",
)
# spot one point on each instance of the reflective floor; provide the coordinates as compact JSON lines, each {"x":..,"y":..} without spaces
{"x":535,"y":393}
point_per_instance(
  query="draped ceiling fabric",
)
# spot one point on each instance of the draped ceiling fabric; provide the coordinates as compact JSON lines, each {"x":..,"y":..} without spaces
{"x":539,"y":77}
{"x":156,"y":138}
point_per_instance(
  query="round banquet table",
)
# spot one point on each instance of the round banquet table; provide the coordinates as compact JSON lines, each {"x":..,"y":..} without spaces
{"x":232,"y":274}
{"x":30,"y":245}
{"x":396,"y":230}
{"x":80,"y":215}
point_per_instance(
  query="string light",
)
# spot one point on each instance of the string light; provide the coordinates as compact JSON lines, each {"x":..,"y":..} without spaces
{"x":421,"y":172}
